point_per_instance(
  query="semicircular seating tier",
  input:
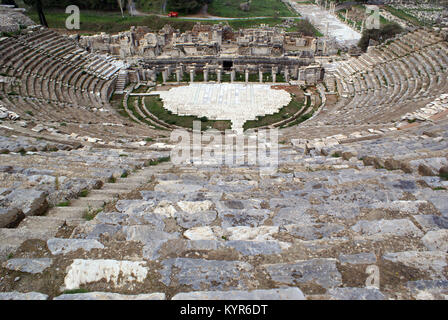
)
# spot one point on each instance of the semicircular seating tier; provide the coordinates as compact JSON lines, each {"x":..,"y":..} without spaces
{"x":390,"y":80}
{"x":45,"y":72}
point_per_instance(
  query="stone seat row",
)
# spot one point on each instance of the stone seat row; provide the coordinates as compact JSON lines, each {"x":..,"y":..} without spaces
{"x":319,"y":217}
{"x":383,"y":91}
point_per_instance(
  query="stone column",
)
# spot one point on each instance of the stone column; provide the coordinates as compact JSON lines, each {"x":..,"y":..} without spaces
{"x":219,"y":75}
{"x":232,"y":75}
{"x":205,"y":74}
{"x":346,"y":15}
{"x":286,"y":72}
{"x":246,"y":74}
{"x":191,"y":75}
{"x":181,"y":68}
{"x":178,"y":75}
{"x":165,"y":75}
{"x":274,"y":74}
{"x":260,"y":75}
{"x":302,"y":76}
{"x":153,"y":75}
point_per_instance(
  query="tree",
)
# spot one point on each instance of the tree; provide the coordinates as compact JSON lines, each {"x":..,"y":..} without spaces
{"x":186,"y":6}
{"x":120,"y":4}
{"x":9,"y":2}
{"x":386,"y":31}
{"x":37,"y":4}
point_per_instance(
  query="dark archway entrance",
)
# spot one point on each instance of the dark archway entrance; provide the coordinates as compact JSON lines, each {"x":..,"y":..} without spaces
{"x":227,"y":65}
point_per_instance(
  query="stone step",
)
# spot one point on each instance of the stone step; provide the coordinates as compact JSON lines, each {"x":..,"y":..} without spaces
{"x":14,"y":295}
{"x":94,"y":202}
{"x":122,"y":185}
{"x":136,"y":179}
{"x":110,"y":296}
{"x":11,"y":239}
{"x":108,"y":193}
{"x":67,"y":213}
{"x":41,"y":223}
{"x":270,"y":294}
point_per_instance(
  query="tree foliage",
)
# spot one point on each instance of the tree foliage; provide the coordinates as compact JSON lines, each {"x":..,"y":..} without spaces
{"x":386,"y":31}
{"x":186,"y":6}
{"x":38,"y":6}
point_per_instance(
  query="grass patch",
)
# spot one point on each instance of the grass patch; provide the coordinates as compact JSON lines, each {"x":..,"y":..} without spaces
{"x":306,"y":28}
{"x":91,"y":213}
{"x":84,"y":193}
{"x":63,"y":204}
{"x":286,"y":112}
{"x":155,"y":107}
{"x":158,"y":161}
{"x":258,"y":8}
{"x":124,"y":175}
{"x":438,"y":188}
{"x":443,"y":176}
{"x":403,"y":15}
{"x":112,"y":21}
{"x":112,"y":180}
{"x":336,"y":155}
{"x":75,"y":291}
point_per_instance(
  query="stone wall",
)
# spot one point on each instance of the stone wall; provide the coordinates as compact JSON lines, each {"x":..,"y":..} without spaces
{"x":12,"y":19}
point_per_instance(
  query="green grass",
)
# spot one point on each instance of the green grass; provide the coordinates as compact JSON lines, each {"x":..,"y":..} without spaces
{"x":155,"y":106}
{"x":403,"y":15}
{"x":286,"y":112}
{"x":124,"y":175}
{"x":305,"y":114}
{"x":91,"y":213}
{"x":258,"y":8}
{"x":75,"y":291}
{"x":336,"y":155}
{"x":63,"y":204}
{"x":84,"y":193}
{"x":438,"y":188}
{"x":113,"y":22}
{"x":112,"y":180}
{"x":159,"y":160}
{"x":443,"y":176}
